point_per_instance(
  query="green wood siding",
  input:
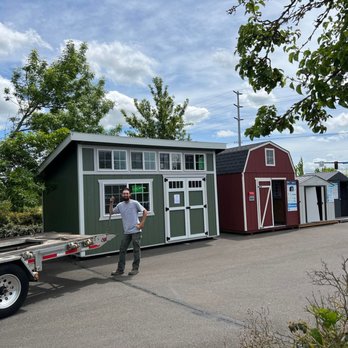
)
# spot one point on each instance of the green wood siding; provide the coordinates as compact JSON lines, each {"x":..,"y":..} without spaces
{"x":210,"y":162}
{"x":60,"y":198}
{"x":154,"y":231}
{"x":88,"y":159}
{"x":212,"y":213}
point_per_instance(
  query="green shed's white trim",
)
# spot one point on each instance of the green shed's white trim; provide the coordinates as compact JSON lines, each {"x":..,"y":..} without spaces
{"x":119,"y":140}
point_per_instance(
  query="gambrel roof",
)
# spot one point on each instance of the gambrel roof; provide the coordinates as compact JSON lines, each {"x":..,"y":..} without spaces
{"x":233,"y":160}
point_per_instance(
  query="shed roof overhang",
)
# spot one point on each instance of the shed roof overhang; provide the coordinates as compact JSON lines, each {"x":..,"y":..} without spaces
{"x":120,"y":140}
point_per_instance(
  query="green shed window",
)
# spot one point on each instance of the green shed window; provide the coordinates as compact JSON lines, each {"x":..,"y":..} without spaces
{"x":199,"y":162}
{"x":137,"y":160}
{"x":164,"y":161}
{"x":120,"y":160}
{"x":143,"y":160}
{"x":176,"y":161}
{"x":104,"y":158}
{"x":141,"y":191}
{"x":189,"y":162}
{"x":194,"y":162}
{"x":112,"y":160}
{"x":150,"y":160}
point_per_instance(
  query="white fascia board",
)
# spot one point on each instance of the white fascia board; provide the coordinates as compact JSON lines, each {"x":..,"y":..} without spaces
{"x":119,"y":140}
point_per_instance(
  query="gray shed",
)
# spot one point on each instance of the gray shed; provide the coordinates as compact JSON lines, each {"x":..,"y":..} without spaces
{"x":340,"y":191}
{"x":316,"y":199}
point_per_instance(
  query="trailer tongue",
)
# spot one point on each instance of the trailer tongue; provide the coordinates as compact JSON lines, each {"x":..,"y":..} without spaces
{"x":21,"y":261}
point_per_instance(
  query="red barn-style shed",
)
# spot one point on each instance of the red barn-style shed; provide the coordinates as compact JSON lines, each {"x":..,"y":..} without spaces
{"x":257,"y":190}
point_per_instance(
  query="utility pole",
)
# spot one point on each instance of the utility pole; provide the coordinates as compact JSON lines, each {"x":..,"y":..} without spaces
{"x":238,"y":117}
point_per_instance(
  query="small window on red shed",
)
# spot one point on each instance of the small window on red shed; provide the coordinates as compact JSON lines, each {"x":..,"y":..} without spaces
{"x":270,"y":157}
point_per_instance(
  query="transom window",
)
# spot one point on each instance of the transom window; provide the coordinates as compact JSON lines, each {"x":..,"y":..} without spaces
{"x":112,"y":159}
{"x":170,"y":161}
{"x":141,"y":191}
{"x":194,"y":162}
{"x":143,"y":160}
{"x":270,"y":159}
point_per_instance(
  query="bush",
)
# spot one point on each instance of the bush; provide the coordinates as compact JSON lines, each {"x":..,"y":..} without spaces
{"x":11,"y":230}
{"x":32,"y":216}
{"x":5,"y":209}
{"x":15,"y":224}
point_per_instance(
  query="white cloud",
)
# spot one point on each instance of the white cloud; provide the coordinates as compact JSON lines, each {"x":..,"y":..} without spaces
{"x":254,"y":100}
{"x":225,"y":59}
{"x":225,"y":134}
{"x":195,"y":114}
{"x":14,"y":43}
{"x":7,"y":108}
{"x":120,"y":63}
{"x":337,"y":122}
{"x":115,"y":117}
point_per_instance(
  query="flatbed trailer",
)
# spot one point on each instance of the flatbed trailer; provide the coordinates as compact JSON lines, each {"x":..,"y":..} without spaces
{"x":21,"y":261}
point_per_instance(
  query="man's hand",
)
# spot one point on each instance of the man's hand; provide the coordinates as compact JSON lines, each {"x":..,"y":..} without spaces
{"x":112,"y":199}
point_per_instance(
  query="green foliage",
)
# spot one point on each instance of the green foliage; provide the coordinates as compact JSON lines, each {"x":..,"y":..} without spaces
{"x":324,"y":170}
{"x":320,"y":79}
{"x":164,"y":121}
{"x":299,"y":168}
{"x":14,"y":224}
{"x":11,"y":230}
{"x":63,"y":94}
{"x":53,"y":99}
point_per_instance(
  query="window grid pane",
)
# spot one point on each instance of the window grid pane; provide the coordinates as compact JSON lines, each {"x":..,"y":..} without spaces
{"x":150,"y":160}
{"x":176,"y":161}
{"x":120,"y":160}
{"x":189,"y":162}
{"x":137,"y":160}
{"x":112,"y":190}
{"x":105,"y":160}
{"x":164,"y":161}
{"x":199,"y":162}
{"x":270,"y":157}
{"x":140,"y":192}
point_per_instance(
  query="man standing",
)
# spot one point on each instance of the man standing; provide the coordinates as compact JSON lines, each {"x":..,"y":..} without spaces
{"x":132,"y":228}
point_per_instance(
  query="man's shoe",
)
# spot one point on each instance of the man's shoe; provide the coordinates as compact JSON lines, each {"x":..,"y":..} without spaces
{"x":117,"y":272}
{"x":133,"y":272}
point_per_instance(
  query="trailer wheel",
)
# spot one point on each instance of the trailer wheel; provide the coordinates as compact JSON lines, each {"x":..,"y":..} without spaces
{"x":14,"y":285}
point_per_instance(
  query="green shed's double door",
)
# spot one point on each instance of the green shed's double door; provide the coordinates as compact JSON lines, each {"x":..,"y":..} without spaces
{"x":185,"y":208}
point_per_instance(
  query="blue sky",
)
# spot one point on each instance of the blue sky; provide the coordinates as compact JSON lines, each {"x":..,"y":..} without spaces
{"x":188,"y":43}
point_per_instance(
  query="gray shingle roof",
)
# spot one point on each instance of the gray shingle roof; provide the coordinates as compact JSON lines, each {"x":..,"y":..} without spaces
{"x":331,"y":176}
{"x":233,"y":160}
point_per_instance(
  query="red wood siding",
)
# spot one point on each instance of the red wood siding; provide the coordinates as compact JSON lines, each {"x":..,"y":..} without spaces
{"x":257,"y":163}
{"x":230,"y":196}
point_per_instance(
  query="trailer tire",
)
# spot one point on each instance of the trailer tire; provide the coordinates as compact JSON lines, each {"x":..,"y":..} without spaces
{"x":14,"y":285}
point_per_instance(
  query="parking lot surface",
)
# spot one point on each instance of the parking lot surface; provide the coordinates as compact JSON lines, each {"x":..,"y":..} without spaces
{"x":194,"y":294}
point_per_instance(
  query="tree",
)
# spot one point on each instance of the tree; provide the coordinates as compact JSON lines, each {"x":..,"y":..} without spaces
{"x":324,"y":170}
{"x":321,"y":76}
{"x":53,"y":99}
{"x":299,"y":168}
{"x":164,"y":121}
{"x":62,"y":94}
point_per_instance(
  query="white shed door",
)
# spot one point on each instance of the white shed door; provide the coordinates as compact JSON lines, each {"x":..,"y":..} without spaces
{"x":312,"y":208}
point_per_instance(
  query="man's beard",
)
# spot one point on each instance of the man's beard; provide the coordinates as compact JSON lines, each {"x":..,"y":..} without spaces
{"x":126,"y":199}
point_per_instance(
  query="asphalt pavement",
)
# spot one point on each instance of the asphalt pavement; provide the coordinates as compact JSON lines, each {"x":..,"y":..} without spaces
{"x":193,"y":294}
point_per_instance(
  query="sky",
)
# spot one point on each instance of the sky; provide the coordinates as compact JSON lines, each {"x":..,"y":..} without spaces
{"x":190,"y":44}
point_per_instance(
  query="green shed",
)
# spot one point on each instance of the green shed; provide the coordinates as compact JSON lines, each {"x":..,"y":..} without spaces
{"x":174,"y":180}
